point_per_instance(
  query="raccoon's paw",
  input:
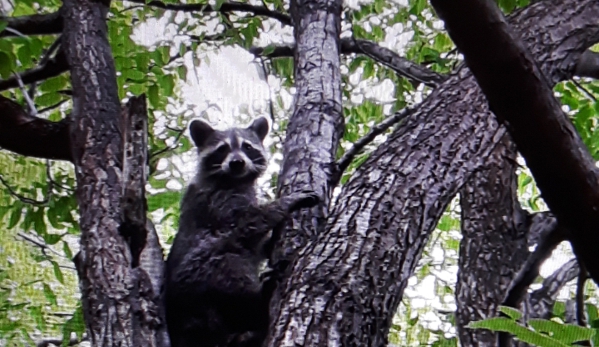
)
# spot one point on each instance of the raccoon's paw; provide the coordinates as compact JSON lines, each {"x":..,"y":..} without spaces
{"x":304,"y":199}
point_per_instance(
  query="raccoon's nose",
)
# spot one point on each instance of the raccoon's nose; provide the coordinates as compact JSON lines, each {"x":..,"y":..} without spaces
{"x":236,"y":165}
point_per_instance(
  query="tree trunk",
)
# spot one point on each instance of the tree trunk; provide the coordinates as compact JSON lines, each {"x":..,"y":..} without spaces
{"x":345,"y":287}
{"x":494,"y":244}
{"x":313,"y":134}
{"x":119,"y":301}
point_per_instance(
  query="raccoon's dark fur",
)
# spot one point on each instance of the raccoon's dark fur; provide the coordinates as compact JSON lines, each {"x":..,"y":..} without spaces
{"x":213,"y":294}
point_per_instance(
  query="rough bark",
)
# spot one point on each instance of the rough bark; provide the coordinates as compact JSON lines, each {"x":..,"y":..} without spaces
{"x":313,"y":134}
{"x":139,"y":232}
{"x":106,"y":279}
{"x":345,"y":287}
{"x":520,"y":95}
{"x":494,"y":255}
{"x":32,"y":136}
{"x":494,"y":244}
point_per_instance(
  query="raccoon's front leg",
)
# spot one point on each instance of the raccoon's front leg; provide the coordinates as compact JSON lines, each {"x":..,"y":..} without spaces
{"x":277,"y":211}
{"x":296,"y":201}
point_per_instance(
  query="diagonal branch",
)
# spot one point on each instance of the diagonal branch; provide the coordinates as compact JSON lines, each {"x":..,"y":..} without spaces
{"x":32,"y":136}
{"x":52,"y":67}
{"x":359,"y":145}
{"x":401,"y":65}
{"x":588,"y":65}
{"x":520,"y":96}
{"x":384,"y":56}
{"x":224,"y":8}
{"x":37,"y":24}
{"x":551,"y":235}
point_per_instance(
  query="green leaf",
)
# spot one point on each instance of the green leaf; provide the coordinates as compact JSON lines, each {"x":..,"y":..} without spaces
{"x":507,"y":5}
{"x":218,"y":4}
{"x":509,"y":326}
{"x":48,"y":99}
{"x":182,"y":72}
{"x":49,"y":294}
{"x":52,"y":239}
{"x":38,"y":317}
{"x":163,"y":200}
{"x":3,"y":25}
{"x":67,"y":250}
{"x":38,"y":221}
{"x":137,"y":88}
{"x":74,"y":325}
{"x":15,"y":216}
{"x":6,"y":65}
{"x":510,"y":312}
{"x":135,"y":75}
{"x":54,"y":84}
{"x":153,"y":96}
{"x":24,"y":55}
{"x":167,"y":85}
{"x":566,"y":333}
{"x":417,"y":7}
{"x":57,"y":272}
{"x":268,"y":50}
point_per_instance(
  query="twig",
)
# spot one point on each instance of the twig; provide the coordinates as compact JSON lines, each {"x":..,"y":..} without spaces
{"x":224,"y":8}
{"x":584,"y":90}
{"x":51,"y":180}
{"x":21,"y":197}
{"x":30,"y":104}
{"x":53,"y":47}
{"x":359,"y":145}
{"x":49,"y":108}
{"x":15,"y":32}
{"x":37,"y":243}
{"x":169,"y":148}
{"x":530,"y":269}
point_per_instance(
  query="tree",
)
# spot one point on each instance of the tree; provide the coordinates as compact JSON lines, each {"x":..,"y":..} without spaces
{"x":342,"y":266}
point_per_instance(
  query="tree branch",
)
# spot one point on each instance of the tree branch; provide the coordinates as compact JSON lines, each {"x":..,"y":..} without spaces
{"x":402,"y":66}
{"x":359,"y":145}
{"x":224,"y":8}
{"x":51,"y":68}
{"x":37,"y":24}
{"x":588,"y":65}
{"x":384,"y":56}
{"x":32,"y":136}
{"x":551,"y":287}
{"x":552,"y":236}
{"x":520,"y":96}
{"x":22,"y":198}
{"x":277,"y":52}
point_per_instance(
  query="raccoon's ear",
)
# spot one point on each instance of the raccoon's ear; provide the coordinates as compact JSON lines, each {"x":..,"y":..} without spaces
{"x":200,"y":132}
{"x":260,"y":127}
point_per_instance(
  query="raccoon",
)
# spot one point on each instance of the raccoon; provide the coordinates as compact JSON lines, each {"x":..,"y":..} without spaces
{"x":213,"y":293}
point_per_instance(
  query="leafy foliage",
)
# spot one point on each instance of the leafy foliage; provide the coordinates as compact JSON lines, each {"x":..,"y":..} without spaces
{"x":159,"y":53}
{"x":537,"y":332}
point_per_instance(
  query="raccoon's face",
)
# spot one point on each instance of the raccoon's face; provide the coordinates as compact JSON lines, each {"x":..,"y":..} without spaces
{"x":231,"y":156}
